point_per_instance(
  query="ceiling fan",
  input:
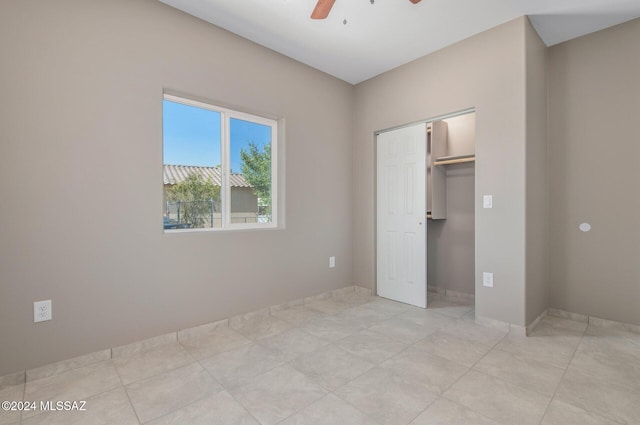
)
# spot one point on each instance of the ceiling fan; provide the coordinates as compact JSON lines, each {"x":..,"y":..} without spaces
{"x":323,"y":7}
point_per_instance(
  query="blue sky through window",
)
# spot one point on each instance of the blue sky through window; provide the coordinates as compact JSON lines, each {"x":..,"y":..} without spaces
{"x":192,"y":136}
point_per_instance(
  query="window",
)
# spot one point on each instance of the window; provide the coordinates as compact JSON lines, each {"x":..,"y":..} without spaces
{"x":219,"y":167}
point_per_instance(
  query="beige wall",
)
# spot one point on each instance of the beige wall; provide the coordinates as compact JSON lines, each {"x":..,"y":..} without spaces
{"x":537,"y":297}
{"x":487,"y":72}
{"x":450,"y":242}
{"x":81,"y":138}
{"x":594,"y":161}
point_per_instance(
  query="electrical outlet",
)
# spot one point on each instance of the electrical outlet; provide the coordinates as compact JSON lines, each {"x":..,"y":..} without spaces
{"x":332,"y":262}
{"x":487,"y":279}
{"x":41,"y":311}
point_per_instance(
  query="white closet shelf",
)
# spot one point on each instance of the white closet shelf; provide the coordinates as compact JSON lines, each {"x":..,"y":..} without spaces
{"x":456,"y":159}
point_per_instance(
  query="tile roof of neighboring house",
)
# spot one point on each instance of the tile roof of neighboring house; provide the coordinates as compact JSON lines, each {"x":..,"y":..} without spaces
{"x":174,"y":174}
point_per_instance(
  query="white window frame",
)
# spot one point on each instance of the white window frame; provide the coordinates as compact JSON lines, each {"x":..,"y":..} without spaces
{"x":225,"y":158}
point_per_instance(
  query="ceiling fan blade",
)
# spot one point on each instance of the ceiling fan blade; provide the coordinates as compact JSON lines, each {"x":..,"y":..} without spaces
{"x":322,"y":9}
{"x":415,"y":1}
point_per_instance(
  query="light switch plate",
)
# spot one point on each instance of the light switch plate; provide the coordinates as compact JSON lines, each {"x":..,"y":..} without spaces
{"x":487,"y":201}
{"x":487,"y":279}
{"x":332,"y":262}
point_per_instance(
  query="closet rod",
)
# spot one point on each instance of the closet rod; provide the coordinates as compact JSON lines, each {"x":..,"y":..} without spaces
{"x":454,"y":161}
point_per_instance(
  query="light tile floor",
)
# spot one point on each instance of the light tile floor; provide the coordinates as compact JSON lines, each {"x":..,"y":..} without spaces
{"x":358,"y":360}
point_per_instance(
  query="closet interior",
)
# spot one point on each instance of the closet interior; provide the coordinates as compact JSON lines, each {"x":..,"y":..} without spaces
{"x":450,"y":208}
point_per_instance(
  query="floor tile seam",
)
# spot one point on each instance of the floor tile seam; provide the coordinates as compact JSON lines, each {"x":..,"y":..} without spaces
{"x":57,"y":375}
{"x":497,"y":422}
{"x":467,"y":307}
{"x":342,"y":385}
{"x":288,"y":330}
{"x":597,"y":377}
{"x":239,"y":403}
{"x":431,"y":403}
{"x":413,"y":344}
{"x":294,"y":322}
{"x":356,"y":408}
{"x":632,"y":339}
{"x":408,"y":347}
{"x":383,"y":321}
{"x":510,"y":384}
{"x":393,"y":315}
{"x":120,"y":378}
{"x":204,"y":335}
{"x":253,"y":378}
{"x":555,"y":391}
{"x":295,"y":412}
{"x":563,"y":362}
{"x":147,"y":378}
{"x":562,"y":326}
{"x":532,"y":360}
{"x":290,"y":361}
{"x":455,"y":380}
{"x":389,"y":336}
{"x":298,"y":324}
{"x":489,"y":346}
{"x":624,"y":363}
{"x":229,"y":390}
{"x":435,"y":310}
{"x":608,"y":343}
{"x":24,"y":394}
{"x":298,"y":411}
{"x":210,"y":374}
{"x":191,"y":351}
{"x":417,"y":323}
{"x":434,"y":331}
{"x":467,"y":372}
{"x":386,"y":359}
{"x":492,"y":347}
{"x":102,"y":392}
{"x":198,"y":400}
{"x":521,"y":386}
{"x":450,"y":361}
{"x":419,"y":381}
{"x":173,"y":370}
{"x":126,"y":393}
{"x":599,"y":415}
{"x":326,"y":391}
{"x":143,"y":352}
{"x":256,"y":340}
{"x":75,"y":370}
{"x":335,"y":313}
{"x":242,"y":406}
{"x":191,"y":357}
{"x":504,"y":382}
{"x":270,"y":313}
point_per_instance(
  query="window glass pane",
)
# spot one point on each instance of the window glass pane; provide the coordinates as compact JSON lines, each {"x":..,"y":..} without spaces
{"x":250,"y":153}
{"x":192,"y":172}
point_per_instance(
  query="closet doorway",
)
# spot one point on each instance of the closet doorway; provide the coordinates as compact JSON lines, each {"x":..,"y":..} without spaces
{"x":425,"y":219}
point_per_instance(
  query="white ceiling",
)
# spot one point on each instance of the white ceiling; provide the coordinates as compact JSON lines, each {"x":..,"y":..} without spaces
{"x":381,"y":36}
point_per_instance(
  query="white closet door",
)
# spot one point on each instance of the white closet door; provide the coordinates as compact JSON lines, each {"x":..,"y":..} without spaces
{"x":401,"y":215}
